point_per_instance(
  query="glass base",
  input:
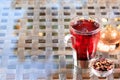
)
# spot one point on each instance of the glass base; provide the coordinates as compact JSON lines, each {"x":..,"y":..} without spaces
{"x":83,"y":64}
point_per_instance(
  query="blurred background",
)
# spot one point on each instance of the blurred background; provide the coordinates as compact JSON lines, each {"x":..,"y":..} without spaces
{"x":32,"y":36}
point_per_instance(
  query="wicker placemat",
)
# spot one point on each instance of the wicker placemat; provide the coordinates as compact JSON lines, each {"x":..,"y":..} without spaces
{"x":32,"y":36}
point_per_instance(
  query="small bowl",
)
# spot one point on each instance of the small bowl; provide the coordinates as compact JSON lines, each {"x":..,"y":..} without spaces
{"x":101,"y":67}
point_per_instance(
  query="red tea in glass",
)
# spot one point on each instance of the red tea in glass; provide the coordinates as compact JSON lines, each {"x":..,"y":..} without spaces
{"x":85,"y":35}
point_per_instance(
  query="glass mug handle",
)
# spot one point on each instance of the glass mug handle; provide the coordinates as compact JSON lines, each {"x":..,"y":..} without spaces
{"x":66,"y":39}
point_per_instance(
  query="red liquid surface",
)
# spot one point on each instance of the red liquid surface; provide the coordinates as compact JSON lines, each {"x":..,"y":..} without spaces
{"x":84,"y":41}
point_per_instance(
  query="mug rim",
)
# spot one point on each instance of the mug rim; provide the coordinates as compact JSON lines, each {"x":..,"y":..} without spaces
{"x":85,"y":18}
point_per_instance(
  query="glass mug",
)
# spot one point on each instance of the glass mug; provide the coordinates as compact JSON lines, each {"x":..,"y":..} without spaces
{"x":84,"y":35}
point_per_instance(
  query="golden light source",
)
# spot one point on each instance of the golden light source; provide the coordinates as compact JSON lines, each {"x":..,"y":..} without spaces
{"x":40,"y":34}
{"x":109,"y":39}
{"x":117,"y":19}
{"x":118,"y":27}
{"x":110,"y":35}
{"x":104,"y":20}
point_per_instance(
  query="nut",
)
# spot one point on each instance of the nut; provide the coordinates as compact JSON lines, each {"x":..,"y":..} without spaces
{"x":103,"y":65}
